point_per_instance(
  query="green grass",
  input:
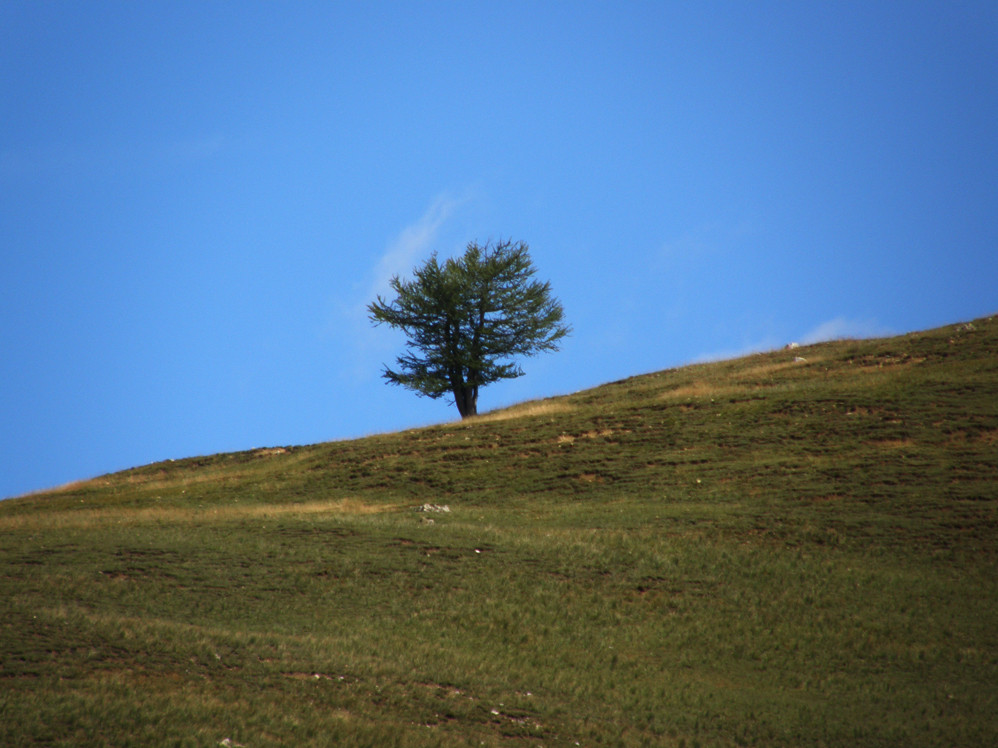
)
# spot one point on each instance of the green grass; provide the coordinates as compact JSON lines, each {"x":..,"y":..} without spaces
{"x":751,"y":552}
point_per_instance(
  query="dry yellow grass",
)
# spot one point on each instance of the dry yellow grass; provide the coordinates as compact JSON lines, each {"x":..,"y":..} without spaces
{"x":764,"y":370}
{"x":701,"y":389}
{"x":90,"y":518}
{"x":893,"y":443}
{"x":524,"y":410}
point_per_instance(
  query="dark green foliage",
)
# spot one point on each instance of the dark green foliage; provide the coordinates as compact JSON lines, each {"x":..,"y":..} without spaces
{"x":754,"y":552}
{"x":468,"y":319}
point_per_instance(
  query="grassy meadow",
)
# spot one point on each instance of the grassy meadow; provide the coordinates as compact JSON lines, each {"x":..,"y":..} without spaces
{"x":763,"y":551}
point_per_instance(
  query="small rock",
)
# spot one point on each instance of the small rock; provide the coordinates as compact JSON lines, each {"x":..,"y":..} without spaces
{"x":432,"y":508}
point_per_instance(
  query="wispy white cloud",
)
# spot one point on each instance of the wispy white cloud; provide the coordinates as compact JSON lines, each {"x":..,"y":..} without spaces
{"x":765,"y":344}
{"x":833,"y":329}
{"x":412,"y":243}
{"x":841,"y":327}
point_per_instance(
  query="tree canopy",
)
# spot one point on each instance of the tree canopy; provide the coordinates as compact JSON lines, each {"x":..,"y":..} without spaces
{"x":467,"y":319}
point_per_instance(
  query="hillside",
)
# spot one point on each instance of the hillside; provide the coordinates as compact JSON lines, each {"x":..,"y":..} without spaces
{"x":793,"y":548}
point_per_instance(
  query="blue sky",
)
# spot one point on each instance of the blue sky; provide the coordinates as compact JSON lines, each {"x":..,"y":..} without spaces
{"x":198,"y":199}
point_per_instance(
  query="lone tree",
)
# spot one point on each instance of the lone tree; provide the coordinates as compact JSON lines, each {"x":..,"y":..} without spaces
{"x":467,"y":318}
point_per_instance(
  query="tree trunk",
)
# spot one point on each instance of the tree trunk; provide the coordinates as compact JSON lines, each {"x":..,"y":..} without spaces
{"x":467,"y":400}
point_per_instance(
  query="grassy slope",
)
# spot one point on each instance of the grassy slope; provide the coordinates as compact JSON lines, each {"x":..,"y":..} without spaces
{"x":758,"y":551}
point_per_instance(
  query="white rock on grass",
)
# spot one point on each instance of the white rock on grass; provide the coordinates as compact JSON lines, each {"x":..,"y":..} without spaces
{"x":432,"y":508}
